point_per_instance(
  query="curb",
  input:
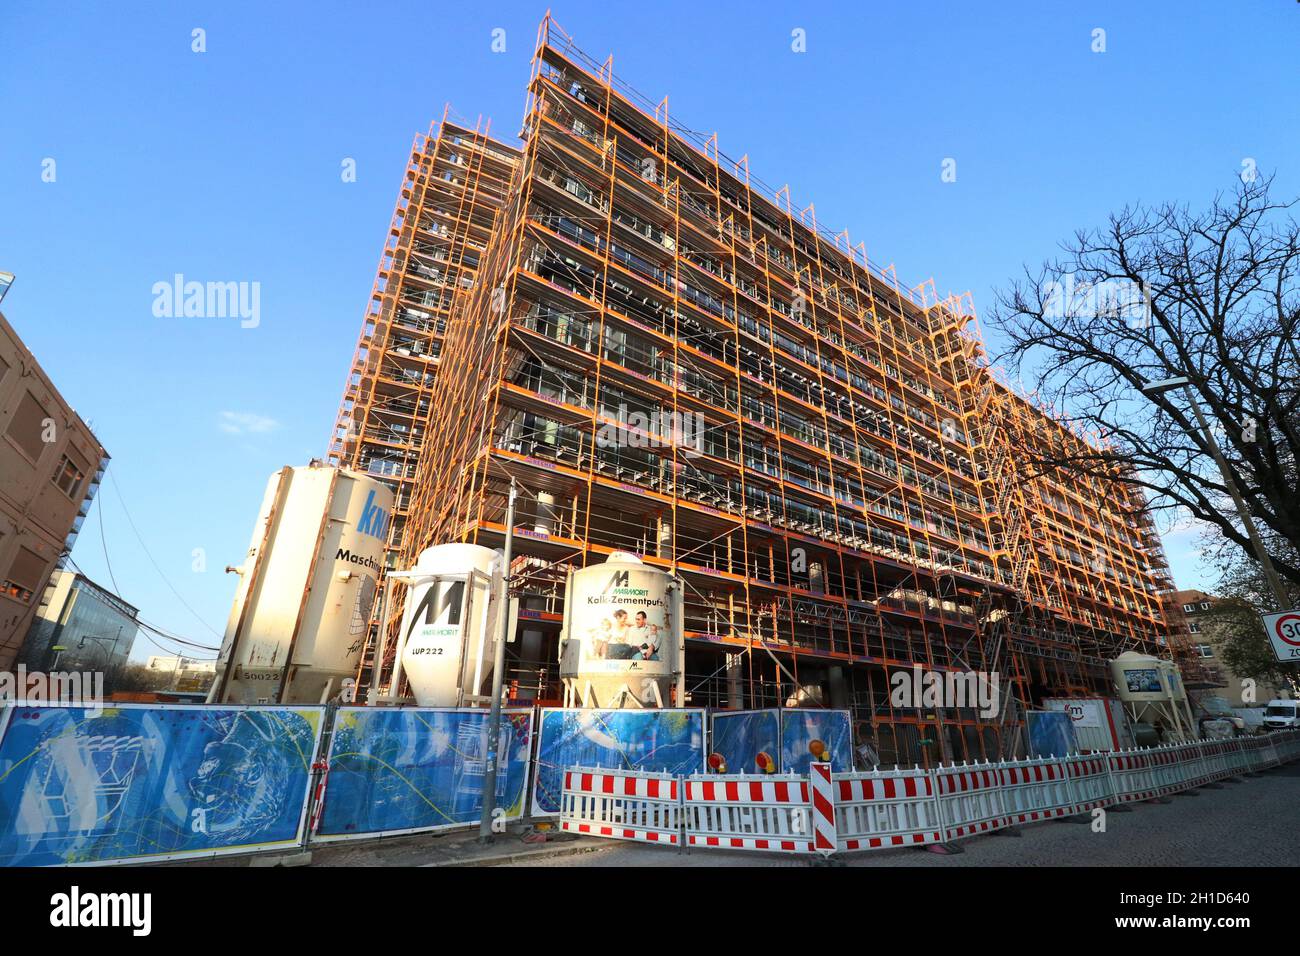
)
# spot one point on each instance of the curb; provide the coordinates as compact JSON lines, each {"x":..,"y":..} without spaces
{"x":520,"y":856}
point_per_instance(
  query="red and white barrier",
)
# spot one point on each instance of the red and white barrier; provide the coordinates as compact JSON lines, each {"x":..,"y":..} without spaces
{"x":1037,"y":789}
{"x":845,"y":812}
{"x":823,"y":807}
{"x":1166,"y":771}
{"x":622,"y":805}
{"x":1132,"y":775}
{"x":318,"y":798}
{"x":750,"y":812}
{"x":970,"y":800}
{"x":881,"y":810}
{"x":1090,"y":782}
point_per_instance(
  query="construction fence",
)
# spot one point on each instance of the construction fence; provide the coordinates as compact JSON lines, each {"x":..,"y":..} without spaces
{"x":138,"y":783}
{"x":825,"y":812}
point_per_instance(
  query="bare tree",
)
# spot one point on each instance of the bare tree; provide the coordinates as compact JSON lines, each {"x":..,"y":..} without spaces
{"x":1160,"y":293}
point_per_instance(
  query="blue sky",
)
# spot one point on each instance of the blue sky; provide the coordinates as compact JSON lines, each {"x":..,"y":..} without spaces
{"x":225,"y":166}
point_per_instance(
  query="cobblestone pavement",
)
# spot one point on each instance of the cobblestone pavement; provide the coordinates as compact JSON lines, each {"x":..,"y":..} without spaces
{"x":1255,"y":822}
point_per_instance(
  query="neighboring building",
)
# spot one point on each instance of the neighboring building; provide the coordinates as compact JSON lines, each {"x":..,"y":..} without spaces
{"x":95,"y":628}
{"x":50,"y":468}
{"x":1206,"y":643}
{"x":180,"y":665}
{"x":670,"y":362}
{"x":455,"y":181}
{"x":186,"y":674}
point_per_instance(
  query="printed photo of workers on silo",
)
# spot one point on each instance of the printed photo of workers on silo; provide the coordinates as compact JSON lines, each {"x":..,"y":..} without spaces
{"x":625,"y":636}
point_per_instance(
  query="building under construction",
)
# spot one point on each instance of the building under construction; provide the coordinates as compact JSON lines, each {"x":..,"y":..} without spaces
{"x":456,"y":179}
{"x":670,"y":358}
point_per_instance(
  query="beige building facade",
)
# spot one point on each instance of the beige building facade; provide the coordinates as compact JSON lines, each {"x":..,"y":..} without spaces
{"x":50,"y":468}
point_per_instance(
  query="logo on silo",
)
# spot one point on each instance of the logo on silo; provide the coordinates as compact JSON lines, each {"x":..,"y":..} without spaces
{"x":439,"y":606}
{"x":374,"y":519}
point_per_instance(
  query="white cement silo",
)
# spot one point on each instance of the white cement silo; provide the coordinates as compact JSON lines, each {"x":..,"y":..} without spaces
{"x":307,"y":587}
{"x":622,"y":636}
{"x":449,"y":625}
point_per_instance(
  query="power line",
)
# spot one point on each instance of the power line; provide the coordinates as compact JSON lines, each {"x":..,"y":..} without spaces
{"x":172,"y":637}
{"x":103,"y":542}
{"x":118,"y":491}
{"x":145,"y":625}
{"x":168,"y":650}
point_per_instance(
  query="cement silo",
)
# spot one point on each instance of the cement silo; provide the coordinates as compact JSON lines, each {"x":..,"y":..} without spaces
{"x":450,"y":624}
{"x":307,"y":586}
{"x":622,"y":638}
{"x":1152,"y":692}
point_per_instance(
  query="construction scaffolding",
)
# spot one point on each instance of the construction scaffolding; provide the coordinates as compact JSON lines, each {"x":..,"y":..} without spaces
{"x":456,"y":179}
{"x":673,"y":360}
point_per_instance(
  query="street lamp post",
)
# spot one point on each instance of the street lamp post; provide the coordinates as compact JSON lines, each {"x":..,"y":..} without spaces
{"x":108,"y":654}
{"x":498,"y":665}
{"x":1257,"y":543}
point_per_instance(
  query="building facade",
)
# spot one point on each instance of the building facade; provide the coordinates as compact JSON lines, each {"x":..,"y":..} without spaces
{"x":50,"y":468}
{"x":670,"y":358}
{"x":455,"y":181}
{"x":1206,"y":643}
{"x":80,"y":626}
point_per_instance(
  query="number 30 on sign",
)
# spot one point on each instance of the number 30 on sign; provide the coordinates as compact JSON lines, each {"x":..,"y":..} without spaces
{"x":1283,"y":631}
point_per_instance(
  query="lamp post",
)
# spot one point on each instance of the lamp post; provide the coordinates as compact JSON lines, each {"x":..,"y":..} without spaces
{"x":1275,"y":584}
{"x":498,"y":665}
{"x":108,"y":654}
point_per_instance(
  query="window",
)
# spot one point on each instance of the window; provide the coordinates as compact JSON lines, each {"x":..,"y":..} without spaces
{"x":1205,"y":650}
{"x":24,"y":576}
{"x":1189,"y":607}
{"x":1205,"y":605}
{"x":1194,"y":626}
{"x":68,"y":476}
{"x":27,"y":425}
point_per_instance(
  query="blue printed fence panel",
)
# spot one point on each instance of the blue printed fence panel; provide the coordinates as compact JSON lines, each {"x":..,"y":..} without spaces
{"x":412,"y":769}
{"x":799,"y":728}
{"x":141,"y":782}
{"x":739,"y":736}
{"x":657,"y":741}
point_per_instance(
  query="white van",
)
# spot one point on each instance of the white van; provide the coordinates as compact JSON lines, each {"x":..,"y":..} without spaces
{"x":1281,"y":714}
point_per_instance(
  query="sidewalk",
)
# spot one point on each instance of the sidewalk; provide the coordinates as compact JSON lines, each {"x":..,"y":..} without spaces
{"x":453,"y":848}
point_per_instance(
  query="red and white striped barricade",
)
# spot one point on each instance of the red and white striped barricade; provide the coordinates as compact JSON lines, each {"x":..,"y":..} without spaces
{"x":1133,"y":779}
{"x":622,"y":805}
{"x":1167,"y":770}
{"x":970,"y":800}
{"x":822,"y":793}
{"x":1252,"y":756}
{"x":1036,"y":789}
{"x":1090,"y":781}
{"x":322,"y":768}
{"x":879,"y":810}
{"x":1202,"y":763}
{"x":1191,"y":767}
{"x":1264,"y":752}
{"x":1288,"y":745}
{"x":749,"y":812}
{"x":1233,"y":755}
{"x":1269,"y":752}
{"x":1219,"y":759}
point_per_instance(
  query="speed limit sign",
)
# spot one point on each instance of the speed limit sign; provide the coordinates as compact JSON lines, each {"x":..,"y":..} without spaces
{"x":1283,"y":631}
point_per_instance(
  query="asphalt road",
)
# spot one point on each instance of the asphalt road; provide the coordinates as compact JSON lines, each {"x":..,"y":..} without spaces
{"x":1255,"y":822}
